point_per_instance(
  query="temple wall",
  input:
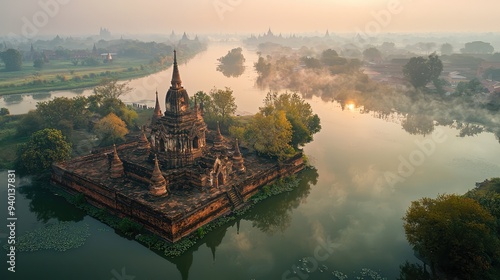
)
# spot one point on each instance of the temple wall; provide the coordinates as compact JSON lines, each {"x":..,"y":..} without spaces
{"x":156,"y":221}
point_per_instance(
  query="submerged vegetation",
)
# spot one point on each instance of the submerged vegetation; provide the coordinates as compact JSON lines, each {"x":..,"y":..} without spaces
{"x":60,"y":236}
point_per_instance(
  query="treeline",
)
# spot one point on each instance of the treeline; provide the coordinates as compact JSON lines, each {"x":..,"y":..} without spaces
{"x":55,"y":126}
{"x":282,"y":126}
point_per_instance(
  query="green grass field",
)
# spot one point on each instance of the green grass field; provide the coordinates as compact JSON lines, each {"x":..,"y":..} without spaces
{"x":62,"y":74}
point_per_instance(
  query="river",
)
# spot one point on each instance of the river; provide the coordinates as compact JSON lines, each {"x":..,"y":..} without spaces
{"x":344,"y":218}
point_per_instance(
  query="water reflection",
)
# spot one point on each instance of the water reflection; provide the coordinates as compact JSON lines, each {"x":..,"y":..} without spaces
{"x":418,"y":124}
{"x":270,"y":216}
{"x":231,"y":70}
{"x":46,"y":205}
{"x":41,"y":95}
{"x":275,"y":214}
{"x":13,"y":99}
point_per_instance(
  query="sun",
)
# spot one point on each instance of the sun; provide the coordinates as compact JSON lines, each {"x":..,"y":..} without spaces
{"x":350,"y":106}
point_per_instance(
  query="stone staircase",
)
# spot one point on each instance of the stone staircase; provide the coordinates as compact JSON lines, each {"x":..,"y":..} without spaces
{"x":235,"y":198}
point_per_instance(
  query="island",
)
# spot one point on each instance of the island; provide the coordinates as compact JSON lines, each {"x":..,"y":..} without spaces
{"x":176,"y":176}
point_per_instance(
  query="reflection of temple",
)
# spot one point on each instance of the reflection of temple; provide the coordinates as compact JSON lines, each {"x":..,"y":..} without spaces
{"x":176,"y":176}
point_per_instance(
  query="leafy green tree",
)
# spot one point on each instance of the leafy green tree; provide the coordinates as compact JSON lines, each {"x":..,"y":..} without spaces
{"x":372,"y":54}
{"x":30,"y":123}
{"x":455,"y":234}
{"x":12,"y":59}
{"x":419,"y":71}
{"x":44,"y":147}
{"x":4,"y":111}
{"x":446,"y":49}
{"x":223,"y":105}
{"x":233,"y":56}
{"x":111,"y":129}
{"x":270,"y":135}
{"x":298,"y":112}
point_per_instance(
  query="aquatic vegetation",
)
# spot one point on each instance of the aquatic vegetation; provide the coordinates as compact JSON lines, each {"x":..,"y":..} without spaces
{"x":61,"y":237}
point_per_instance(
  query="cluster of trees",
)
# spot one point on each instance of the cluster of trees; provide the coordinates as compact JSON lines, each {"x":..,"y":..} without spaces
{"x":232,"y":64}
{"x":330,"y":59}
{"x":419,"y":71}
{"x":457,"y":236}
{"x":12,"y":59}
{"x":102,"y":113}
{"x":283,"y":125}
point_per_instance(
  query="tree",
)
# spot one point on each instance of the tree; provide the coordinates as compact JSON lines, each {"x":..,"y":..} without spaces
{"x":330,"y":57}
{"x":470,"y":88}
{"x":387,"y":46}
{"x":454,"y":234}
{"x":270,"y":134}
{"x":111,"y":129}
{"x":446,"y":49}
{"x":38,"y":63}
{"x":478,"y":47}
{"x":12,"y":59}
{"x":110,"y":88}
{"x":372,"y":54}
{"x":311,"y":62}
{"x":232,"y":64}
{"x":223,"y":105}
{"x":4,"y":111}
{"x":298,"y":112}
{"x":419,"y":71}
{"x":44,"y":147}
{"x":30,"y":123}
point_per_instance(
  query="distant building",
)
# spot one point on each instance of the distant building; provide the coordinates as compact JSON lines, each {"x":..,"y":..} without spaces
{"x":104,"y":33}
{"x":454,"y":78}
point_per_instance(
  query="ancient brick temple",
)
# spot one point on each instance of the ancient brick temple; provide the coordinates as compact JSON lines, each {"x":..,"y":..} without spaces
{"x":176,"y":175}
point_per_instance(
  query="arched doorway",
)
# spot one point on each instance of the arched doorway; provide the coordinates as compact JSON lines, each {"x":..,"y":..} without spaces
{"x":195,"y":142}
{"x":162,"y":145}
{"x":220,"y":179}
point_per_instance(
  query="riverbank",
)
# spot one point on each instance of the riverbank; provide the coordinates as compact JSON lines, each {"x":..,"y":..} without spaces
{"x":63,"y":75}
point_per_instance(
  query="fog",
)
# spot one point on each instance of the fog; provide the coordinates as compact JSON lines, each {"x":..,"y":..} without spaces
{"x":71,"y":17}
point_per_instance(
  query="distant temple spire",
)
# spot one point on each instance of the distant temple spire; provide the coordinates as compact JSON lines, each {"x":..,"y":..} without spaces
{"x":116,"y":167}
{"x":176,"y":77}
{"x":158,"y":183}
{"x":157,"y":112}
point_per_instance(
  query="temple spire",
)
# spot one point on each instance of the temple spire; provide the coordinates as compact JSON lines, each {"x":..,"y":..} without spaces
{"x":116,"y":168}
{"x":239,"y":162}
{"x":158,"y":183}
{"x":157,"y":111}
{"x":176,"y":77}
{"x":219,"y":140}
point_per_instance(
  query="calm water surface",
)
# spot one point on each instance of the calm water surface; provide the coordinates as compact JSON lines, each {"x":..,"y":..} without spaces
{"x":346,"y":202}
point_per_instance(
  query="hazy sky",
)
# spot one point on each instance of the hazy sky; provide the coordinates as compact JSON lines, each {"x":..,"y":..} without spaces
{"x":248,"y":16}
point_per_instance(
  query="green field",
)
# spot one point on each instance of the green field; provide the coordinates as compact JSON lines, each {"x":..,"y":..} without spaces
{"x":62,"y":74}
